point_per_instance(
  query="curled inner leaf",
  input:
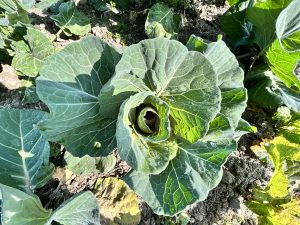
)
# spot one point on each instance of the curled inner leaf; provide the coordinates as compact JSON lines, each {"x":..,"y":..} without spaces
{"x":148,"y":120}
{"x":144,"y":133}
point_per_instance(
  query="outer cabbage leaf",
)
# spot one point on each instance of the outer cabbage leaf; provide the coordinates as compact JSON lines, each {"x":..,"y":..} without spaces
{"x":283,"y":64}
{"x":185,"y":80}
{"x":187,"y":179}
{"x":230,"y":76}
{"x":18,"y":207}
{"x":81,"y":209}
{"x":288,"y":27}
{"x":24,"y":153}
{"x":263,"y":17}
{"x":17,"y":10}
{"x":71,"y":21}
{"x":31,"y":52}
{"x":235,"y":24}
{"x":269,"y":92}
{"x":162,"y":22}
{"x":69,"y":84}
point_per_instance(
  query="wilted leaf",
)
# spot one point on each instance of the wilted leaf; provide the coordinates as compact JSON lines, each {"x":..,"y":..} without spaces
{"x":88,"y":164}
{"x":119,"y":204}
{"x":162,"y":22}
{"x":24,"y":153}
{"x":71,"y":21}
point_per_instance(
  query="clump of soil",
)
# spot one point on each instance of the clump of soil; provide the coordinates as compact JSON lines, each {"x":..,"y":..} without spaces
{"x":203,"y":20}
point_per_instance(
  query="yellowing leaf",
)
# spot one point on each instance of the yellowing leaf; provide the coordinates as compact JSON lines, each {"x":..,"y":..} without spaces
{"x":119,"y":204}
{"x":280,"y":150}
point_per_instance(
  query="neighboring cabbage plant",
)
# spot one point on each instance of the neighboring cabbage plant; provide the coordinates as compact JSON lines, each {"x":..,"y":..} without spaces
{"x":173,"y":112}
{"x":267,"y":33}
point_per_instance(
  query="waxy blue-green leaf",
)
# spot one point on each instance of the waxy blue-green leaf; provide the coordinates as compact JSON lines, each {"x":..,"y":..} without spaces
{"x":17,"y":207}
{"x":82,"y":208}
{"x":269,"y":91}
{"x":230,"y":76}
{"x":184,"y":80}
{"x":162,"y":22}
{"x":188,"y":178}
{"x":143,"y":151}
{"x":263,"y":17}
{"x":288,"y":27}
{"x":24,"y":153}
{"x":17,"y":10}
{"x":69,"y":84}
{"x":31,"y":52}
{"x":71,"y":21}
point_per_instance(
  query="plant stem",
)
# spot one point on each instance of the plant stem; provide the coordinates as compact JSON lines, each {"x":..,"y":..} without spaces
{"x":57,"y":34}
{"x":244,"y":55}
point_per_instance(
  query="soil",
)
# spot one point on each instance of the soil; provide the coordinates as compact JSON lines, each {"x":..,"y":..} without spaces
{"x":226,"y":203}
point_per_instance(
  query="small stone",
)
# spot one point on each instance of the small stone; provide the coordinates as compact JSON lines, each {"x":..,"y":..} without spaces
{"x":234,"y":203}
{"x":228,"y":178}
{"x":9,"y":79}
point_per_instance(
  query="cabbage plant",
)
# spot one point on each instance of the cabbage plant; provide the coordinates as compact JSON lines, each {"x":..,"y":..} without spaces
{"x":173,"y":112}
